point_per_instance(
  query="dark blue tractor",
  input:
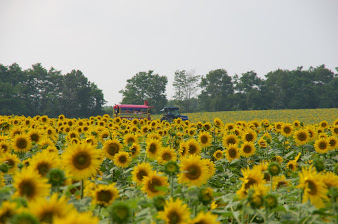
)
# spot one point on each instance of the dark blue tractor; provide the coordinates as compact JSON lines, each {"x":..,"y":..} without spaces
{"x":172,"y":113}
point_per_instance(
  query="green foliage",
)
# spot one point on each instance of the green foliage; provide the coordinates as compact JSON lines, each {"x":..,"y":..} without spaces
{"x":146,"y":86}
{"x":36,"y":91}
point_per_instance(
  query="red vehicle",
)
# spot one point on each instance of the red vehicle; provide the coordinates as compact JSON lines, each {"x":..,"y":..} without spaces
{"x":130,"y":112}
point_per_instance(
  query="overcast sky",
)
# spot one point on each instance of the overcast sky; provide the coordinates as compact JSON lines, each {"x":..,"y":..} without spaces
{"x":110,"y":41}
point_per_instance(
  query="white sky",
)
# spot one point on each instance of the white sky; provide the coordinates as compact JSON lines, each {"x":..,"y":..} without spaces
{"x":112,"y":40}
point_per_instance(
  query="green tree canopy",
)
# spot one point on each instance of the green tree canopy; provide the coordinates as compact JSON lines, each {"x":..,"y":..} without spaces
{"x":146,"y":86}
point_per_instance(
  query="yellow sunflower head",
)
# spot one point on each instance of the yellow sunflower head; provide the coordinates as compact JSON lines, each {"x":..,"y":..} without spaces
{"x":122,"y":159}
{"x":218,"y":154}
{"x":175,"y":212}
{"x":154,"y":184}
{"x":81,"y":160}
{"x":204,"y":138}
{"x":21,"y":143}
{"x":247,"y":149}
{"x":232,"y":152}
{"x":140,"y":171}
{"x":301,"y":136}
{"x":104,"y":194}
{"x":194,"y":171}
{"x":322,"y":145}
{"x":153,"y":148}
{"x":166,"y":154}
{"x":30,"y":185}
{"x":193,"y":147}
{"x":111,"y":147}
{"x":230,"y":139}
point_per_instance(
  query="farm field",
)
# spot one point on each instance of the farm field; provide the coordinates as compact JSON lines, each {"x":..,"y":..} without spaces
{"x":308,"y":116}
{"x":222,"y":167}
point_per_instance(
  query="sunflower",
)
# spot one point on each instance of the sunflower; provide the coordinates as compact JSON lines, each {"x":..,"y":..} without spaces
{"x":287,"y":130}
{"x":183,"y":150}
{"x":330,"y":179}
{"x":134,"y":150}
{"x":262,"y":143}
{"x":154,"y":136}
{"x":153,"y":148}
{"x":314,"y":188}
{"x":218,"y":123}
{"x":280,"y":182}
{"x":323,"y":124}
{"x":11,"y":160}
{"x":193,"y":147}
{"x":333,"y":141}
{"x":301,"y":136}
{"x":47,"y":209}
{"x":21,"y":143}
{"x":104,"y":194}
{"x":334,"y":130}
{"x":140,"y":171}
{"x":175,"y":212}
{"x":249,"y":135}
{"x":7,"y":211}
{"x":35,"y":135}
{"x":218,"y":154}
{"x":122,"y":159}
{"x":130,"y":139}
{"x":232,"y":153}
{"x":211,"y":168}
{"x":111,"y":148}
{"x":4,"y":147}
{"x":153,"y":184}
{"x":77,"y":218}
{"x":204,"y":138}
{"x":82,"y":160}
{"x":166,"y":154}
{"x":256,"y":197}
{"x":322,"y":145}
{"x":194,"y":171}
{"x":17,"y":130}
{"x":30,"y":185}
{"x":104,"y":135}
{"x":292,"y":165}
{"x":229,"y":139}
{"x":43,"y":161}
{"x":247,"y":149}
{"x":251,"y":177}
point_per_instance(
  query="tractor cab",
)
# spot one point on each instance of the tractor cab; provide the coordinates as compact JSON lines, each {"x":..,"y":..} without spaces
{"x":172,"y":113}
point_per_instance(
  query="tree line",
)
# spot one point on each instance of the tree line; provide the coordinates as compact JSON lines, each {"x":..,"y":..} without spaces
{"x":218,"y":91}
{"x":36,"y":91}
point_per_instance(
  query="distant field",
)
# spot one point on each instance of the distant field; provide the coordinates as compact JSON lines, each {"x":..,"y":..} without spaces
{"x":307,"y":116}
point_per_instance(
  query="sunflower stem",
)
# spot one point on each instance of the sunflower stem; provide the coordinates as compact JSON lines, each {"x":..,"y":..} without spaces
{"x":171,"y":185}
{"x":82,"y":185}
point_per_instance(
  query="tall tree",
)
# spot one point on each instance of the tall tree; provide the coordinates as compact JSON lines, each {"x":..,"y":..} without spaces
{"x":186,"y":86}
{"x":146,"y":86}
{"x":217,"y":89}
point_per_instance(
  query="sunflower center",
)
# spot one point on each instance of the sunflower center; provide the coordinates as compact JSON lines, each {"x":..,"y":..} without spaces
{"x":287,"y":130}
{"x":155,"y":182}
{"x":218,"y":155}
{"x":291,"y":166}
{"x":16,"y":133}
{"x":232,"y":153}
{"x":322,"y":145}
{"x":192,"y":149}
{"x":43,"y":168}
{"x":130,"y":140}
{"x":72,"y":135}
{"x":10,"y":163}
{"x":21,"y":143}
{"x":301,"y":136}
{"x":47,"y":217}
{"x":204,"y":139}
{"x":152,"y":148}
{"x":27,"y":188}
{"x":247,"y":149}
{"x":104,"y":196}
{"x":141,"y":174}
{"x":166,"y":156}
{"x":174,"y":217}
{"x":231,"y":141}
{"x":122,"y":159}
{"x":250,"y":182}
{"x":113,"y":148}
{"x":312,"y":186}
{"x":35,"y":137}
{"x":249,"y":137}
{"x":104,"y":136}
{"x":4,"y":148}
{"x":332,"y":142}
{"x":82,"y":160}
{"x":281,"y":183}
{"x":193,"y":172}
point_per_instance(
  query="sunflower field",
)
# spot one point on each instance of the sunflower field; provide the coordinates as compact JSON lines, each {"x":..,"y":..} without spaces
{"x":209,"y":170}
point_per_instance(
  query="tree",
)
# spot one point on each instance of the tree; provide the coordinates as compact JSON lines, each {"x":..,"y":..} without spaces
{"x":186,"y":86}
{"x":146,"y":86}
{"x":217,"y":89}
